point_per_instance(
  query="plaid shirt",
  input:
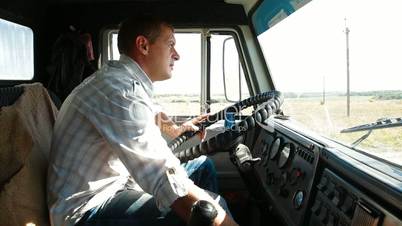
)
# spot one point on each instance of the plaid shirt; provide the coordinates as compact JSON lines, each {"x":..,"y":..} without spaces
{"x":105,"y":138}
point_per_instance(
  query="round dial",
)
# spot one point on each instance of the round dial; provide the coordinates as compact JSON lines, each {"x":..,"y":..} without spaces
{"x":285,"y":155}
{"x":298,"y":199}
{"x":275,"y":148}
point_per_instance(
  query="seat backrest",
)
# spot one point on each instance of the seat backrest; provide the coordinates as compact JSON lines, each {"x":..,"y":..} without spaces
{"x":26,"y":130}
{"x":8,"y":95}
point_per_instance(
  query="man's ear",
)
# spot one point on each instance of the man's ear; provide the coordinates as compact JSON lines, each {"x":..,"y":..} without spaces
{"x":142,"y":44}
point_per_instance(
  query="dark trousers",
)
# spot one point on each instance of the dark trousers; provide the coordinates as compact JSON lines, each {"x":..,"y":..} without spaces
{"x":130,"y":207}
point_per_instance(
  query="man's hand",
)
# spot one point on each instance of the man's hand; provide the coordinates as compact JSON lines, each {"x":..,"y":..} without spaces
{"x":168,"y":127}
{"x":192,"y":125}
{"x":182,"y":206}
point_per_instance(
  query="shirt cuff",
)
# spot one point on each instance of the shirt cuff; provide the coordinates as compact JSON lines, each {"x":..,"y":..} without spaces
{"x":175,"y":185}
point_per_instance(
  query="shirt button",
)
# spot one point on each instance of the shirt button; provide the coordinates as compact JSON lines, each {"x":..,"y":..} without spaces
{"x":171,"y":171}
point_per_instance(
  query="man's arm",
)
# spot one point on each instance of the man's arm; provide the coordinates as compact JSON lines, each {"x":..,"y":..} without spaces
{"x":182,"y":206}
{"x":168,"y":127}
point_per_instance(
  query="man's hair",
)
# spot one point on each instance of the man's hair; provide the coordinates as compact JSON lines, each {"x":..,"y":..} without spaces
{"x":131,"y":28}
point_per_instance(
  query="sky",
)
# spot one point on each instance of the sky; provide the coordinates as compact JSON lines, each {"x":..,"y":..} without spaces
{"x":187,"y":70}
{"x":309,"y":47}
{"x":306,"y":52}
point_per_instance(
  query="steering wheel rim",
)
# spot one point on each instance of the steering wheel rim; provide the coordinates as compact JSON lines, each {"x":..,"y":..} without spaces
{"x":269,"y":103}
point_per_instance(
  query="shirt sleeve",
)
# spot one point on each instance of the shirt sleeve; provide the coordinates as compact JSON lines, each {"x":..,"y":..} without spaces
{"x":125,"y":118}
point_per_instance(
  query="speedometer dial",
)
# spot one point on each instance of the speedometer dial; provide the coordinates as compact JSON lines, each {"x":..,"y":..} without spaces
{"x":285,"y":154}
{"x":275,"y":148}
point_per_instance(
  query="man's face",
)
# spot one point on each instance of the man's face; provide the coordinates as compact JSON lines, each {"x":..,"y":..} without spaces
{"x":162,"y":55}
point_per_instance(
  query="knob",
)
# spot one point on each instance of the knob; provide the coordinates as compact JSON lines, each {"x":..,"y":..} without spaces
{"x":203,"y":213}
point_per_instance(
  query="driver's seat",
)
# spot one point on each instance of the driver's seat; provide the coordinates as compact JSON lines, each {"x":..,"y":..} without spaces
{"x":27,"y":116}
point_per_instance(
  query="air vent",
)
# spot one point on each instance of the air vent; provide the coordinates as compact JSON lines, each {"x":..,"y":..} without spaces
{"x":365,"y":215}
{"x":305,"y":154}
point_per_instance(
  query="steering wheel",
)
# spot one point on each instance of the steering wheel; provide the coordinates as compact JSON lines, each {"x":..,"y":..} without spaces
{"x":268,"y":103}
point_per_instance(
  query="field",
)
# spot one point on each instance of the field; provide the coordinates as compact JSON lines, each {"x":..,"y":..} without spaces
{"x":329,"y":119}
{"x":326,"y":119}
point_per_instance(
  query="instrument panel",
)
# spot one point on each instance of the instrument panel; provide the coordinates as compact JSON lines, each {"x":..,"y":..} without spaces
{"x":310,"y":183}
{"x":287,"y":170}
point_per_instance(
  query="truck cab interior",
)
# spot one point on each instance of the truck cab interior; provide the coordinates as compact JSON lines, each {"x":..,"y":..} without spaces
{"x":294,"y":140}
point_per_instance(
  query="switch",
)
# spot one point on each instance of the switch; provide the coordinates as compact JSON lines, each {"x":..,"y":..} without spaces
{"x":347,"y":207}
{"x":323,"y":183}
{"x":316,"y":206}
{"x":330,"y":190}
{"x":340,"y":192}
{"x":337,"y":197}
{"x":323,"y":214}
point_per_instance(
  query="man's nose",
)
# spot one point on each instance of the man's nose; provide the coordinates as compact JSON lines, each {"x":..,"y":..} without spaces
{"x":176,"y":55}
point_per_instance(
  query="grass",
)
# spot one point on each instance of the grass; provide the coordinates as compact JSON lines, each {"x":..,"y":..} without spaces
{"x":330,"y":118}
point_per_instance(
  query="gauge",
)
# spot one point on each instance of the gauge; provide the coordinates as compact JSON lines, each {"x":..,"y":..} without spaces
{"x":275,"y":148}
{"x":285,"y":155}
{"x":298,"y":199}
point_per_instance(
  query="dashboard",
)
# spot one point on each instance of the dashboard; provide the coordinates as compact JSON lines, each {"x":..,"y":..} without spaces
{"x":306,"y":182}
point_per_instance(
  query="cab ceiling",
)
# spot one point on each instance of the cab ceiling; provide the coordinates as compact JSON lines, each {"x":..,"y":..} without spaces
{"x":178,"y":11}
{"x":197,"y":13}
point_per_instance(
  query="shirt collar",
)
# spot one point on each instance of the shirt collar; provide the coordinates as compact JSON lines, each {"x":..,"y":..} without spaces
{"x":136,"y":71}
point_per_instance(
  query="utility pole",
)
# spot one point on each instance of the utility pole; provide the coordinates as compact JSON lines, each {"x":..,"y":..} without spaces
{"x":323,"y":90}
{"x":347,"y":71}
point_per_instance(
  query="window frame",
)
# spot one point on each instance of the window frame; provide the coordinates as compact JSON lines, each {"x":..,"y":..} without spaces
{"x":4,"y":15}
{"x":337,"y":144}
{"x":205,"y":95}
{"x":106,"y":46}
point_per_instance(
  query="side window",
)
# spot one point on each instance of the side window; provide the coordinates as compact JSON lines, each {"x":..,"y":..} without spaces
{"x":228,"y":83}
{"x":16,"y":51}
{"x":113,"y":51}
{"x":335,"y":92}
{"x":181,"y":95}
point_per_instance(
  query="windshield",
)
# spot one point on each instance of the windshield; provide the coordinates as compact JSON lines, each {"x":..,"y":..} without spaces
{"x":339,"y":65}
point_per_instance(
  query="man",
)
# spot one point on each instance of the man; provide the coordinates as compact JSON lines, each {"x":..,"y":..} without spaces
{"x":109,"y":164}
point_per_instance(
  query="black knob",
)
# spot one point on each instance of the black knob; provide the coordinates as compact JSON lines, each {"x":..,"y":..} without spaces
{"x":203,"y":213}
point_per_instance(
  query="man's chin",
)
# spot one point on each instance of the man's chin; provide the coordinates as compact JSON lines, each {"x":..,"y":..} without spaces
{"x":165,"y":77}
